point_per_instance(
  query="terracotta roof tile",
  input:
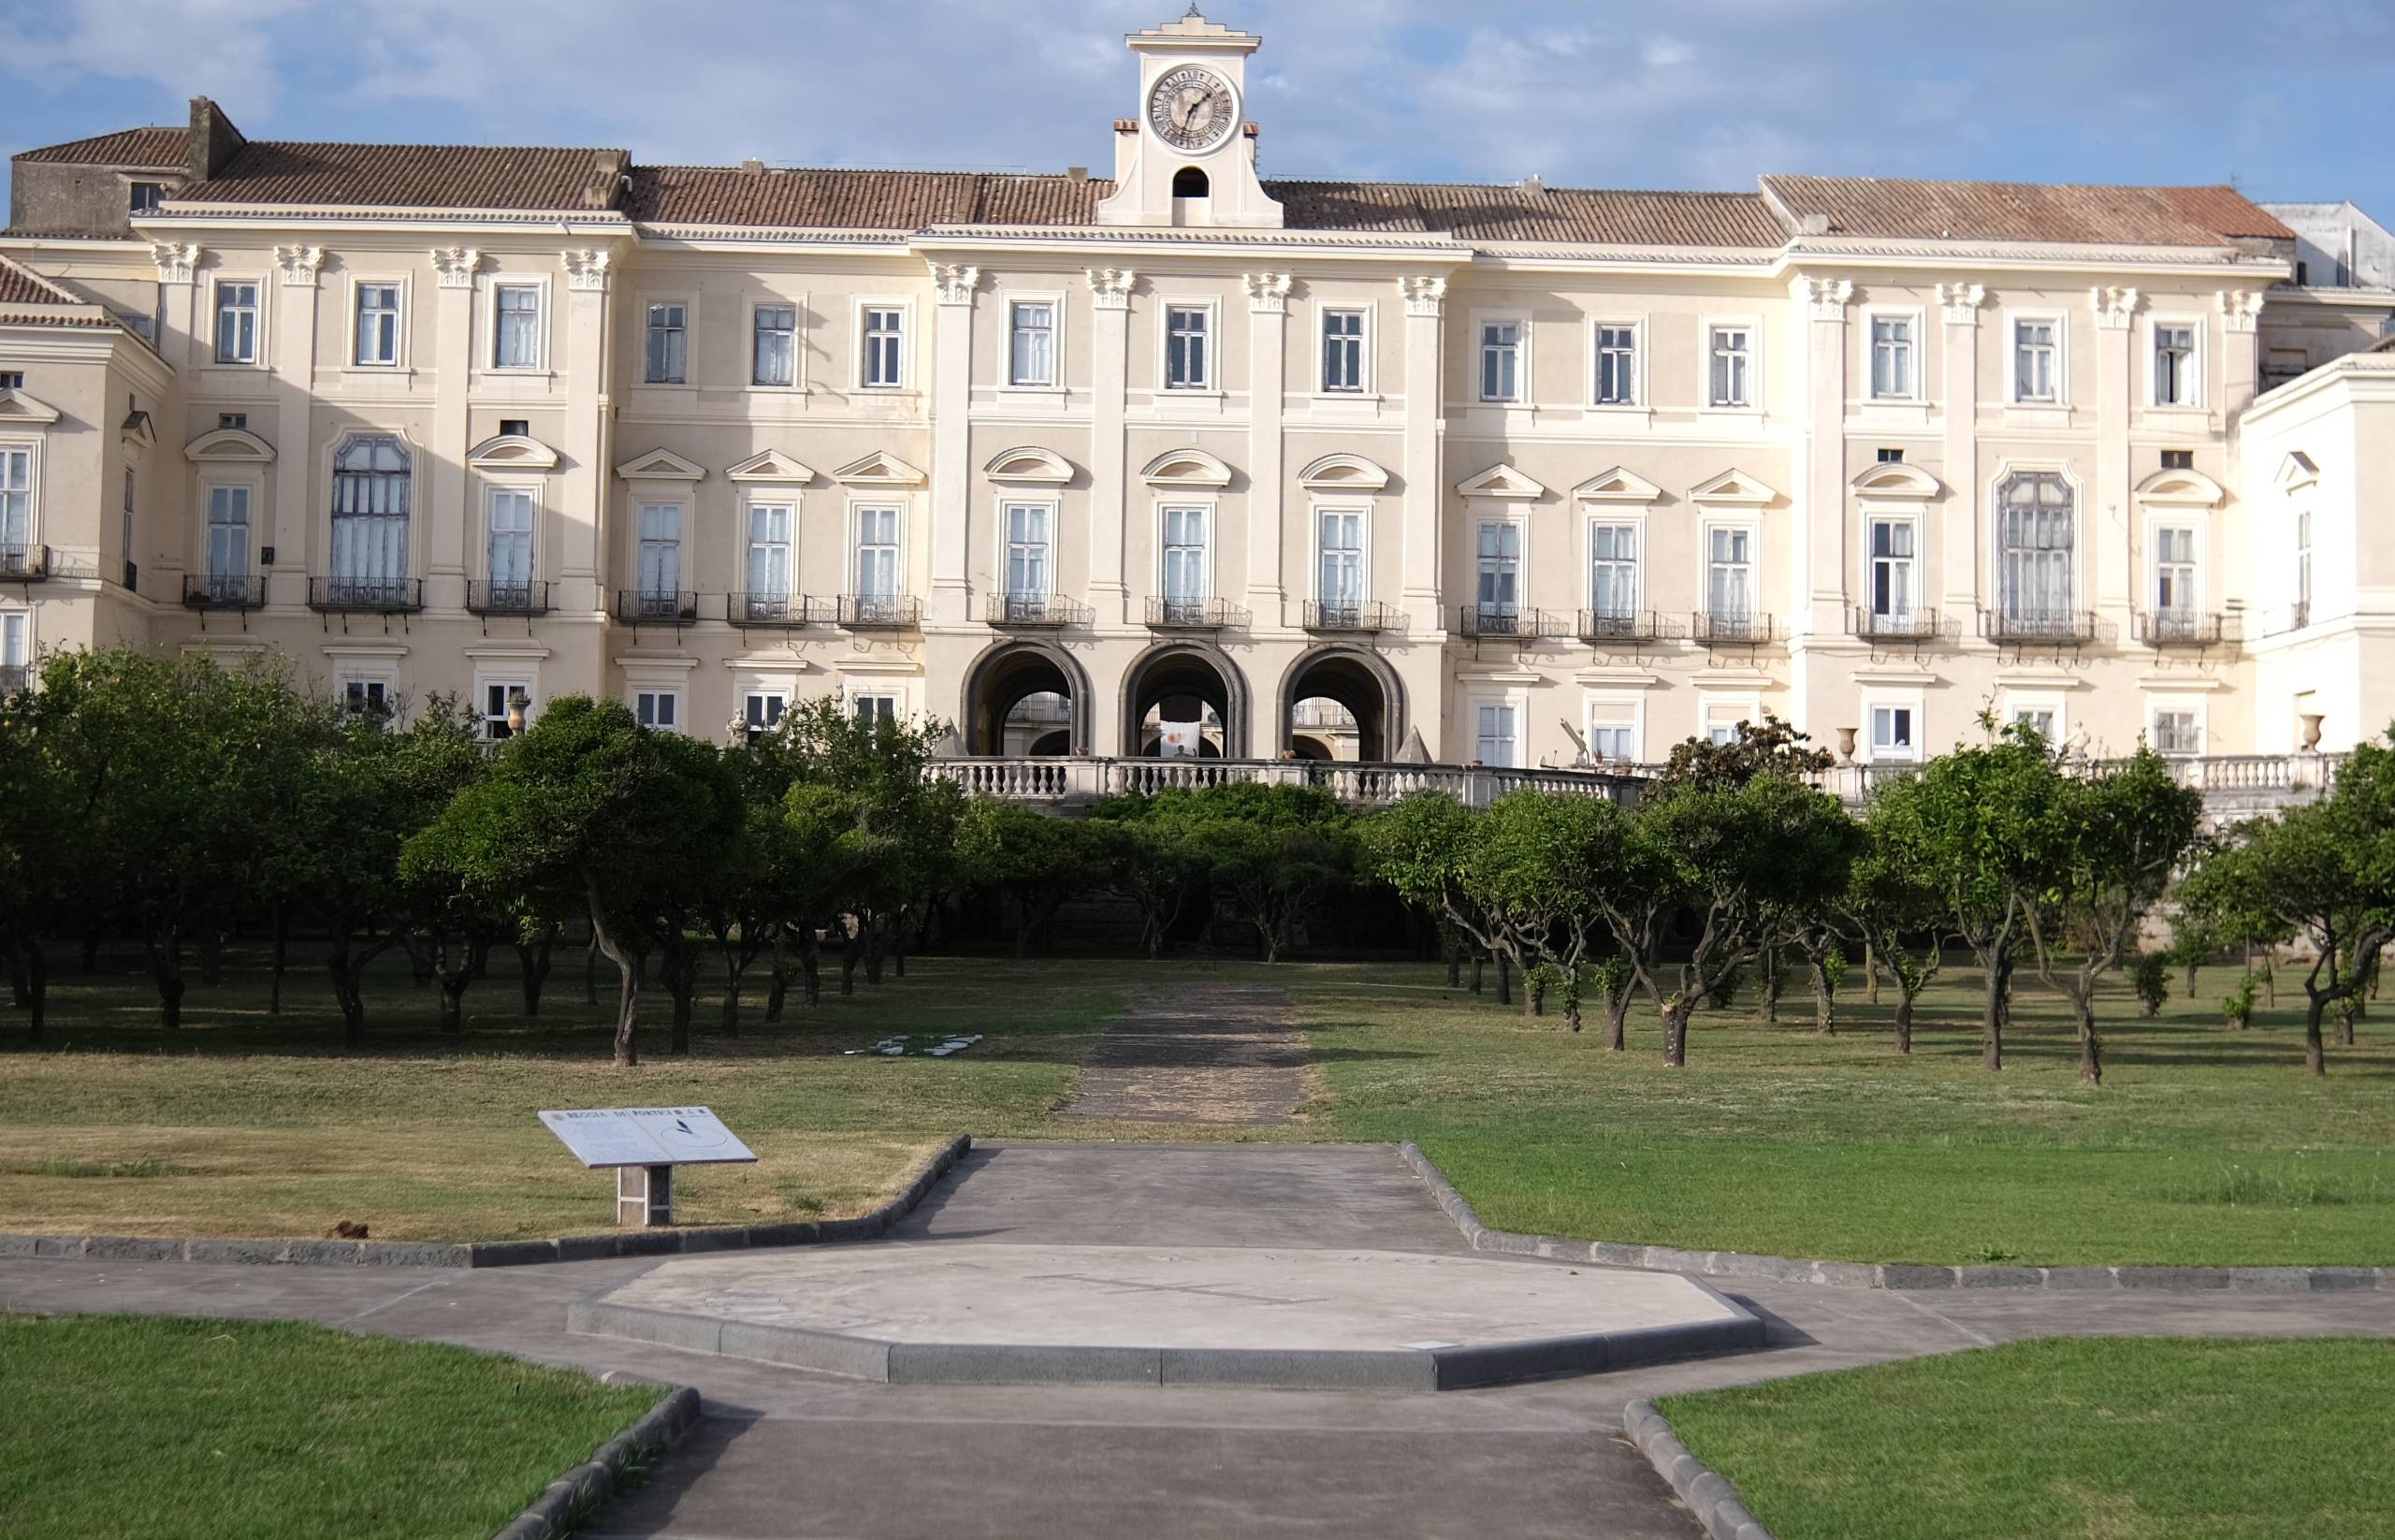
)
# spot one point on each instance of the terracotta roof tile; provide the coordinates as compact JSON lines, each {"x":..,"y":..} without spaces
{"x":413,"y":176}
{"x":20,"y":286}
{"x":846,"y":199}
{"x":1507,"y":213}
{"x":1902,"y":209}
{"x":161,"y":148}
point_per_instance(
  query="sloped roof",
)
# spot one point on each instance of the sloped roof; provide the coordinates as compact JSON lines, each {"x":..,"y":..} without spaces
{"x":413,"y":176}
{"x":1506,"y":212}
{"x":849,"y":200}
{"x":162,"y":148}
{"x":20,"y":286}
{"x":1910,"y":209}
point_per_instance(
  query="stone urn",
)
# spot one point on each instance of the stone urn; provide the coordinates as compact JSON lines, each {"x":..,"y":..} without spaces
{"x":2311,"y":732}
{"x":1846,"y":745}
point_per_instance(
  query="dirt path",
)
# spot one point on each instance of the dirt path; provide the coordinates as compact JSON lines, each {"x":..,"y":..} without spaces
{"x":1203,"y":1054}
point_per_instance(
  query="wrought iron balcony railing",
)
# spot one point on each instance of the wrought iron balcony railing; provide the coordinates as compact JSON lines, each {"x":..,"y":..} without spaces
{"x":879,"y":612}
{"x":2068,"y":628}
{"x":366,"y":595}
{"x":1914,"y":625}
{"x":23,"y":563}
{"x":1505,"y":622}
{"x":2187,"y":628}
{"x":1170,"y":614}
{"x":223,"y":590}
{"x":656,"y":606}
{"x":485,"y":596}
{"x":779,"y":611}
{"x":1741,"y":631}
{"x":1346,"y":614}
{"x":1622,"y":626}
{"x":1044,"y":611}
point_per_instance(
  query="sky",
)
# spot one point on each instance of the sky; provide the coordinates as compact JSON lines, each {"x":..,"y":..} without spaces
{"x":2285,"y":99}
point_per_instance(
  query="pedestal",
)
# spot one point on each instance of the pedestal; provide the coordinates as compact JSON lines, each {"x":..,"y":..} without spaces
{"x":643,"y":1196}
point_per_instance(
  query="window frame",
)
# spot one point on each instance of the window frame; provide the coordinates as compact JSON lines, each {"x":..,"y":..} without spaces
{"x":1055,"y":301}
{"x":2018,"y":704}
{"x":1517,"y":704}
{"x":1520,"y":321}
{"x":650,"y":305}
{"x":401,"y":311}
{"x":1052,"y":545}
{"x":413,"y":533}
{"x":2192,"y":381}
{"x":669,"y":693}
{"x":1892,"y":703}
{"x":2157,"y":526}
{"x":1367,"y":314}
{"x":1315,"y":510}
{"x":366,"y":683}
{"x":252,"y":492}
{"x":853,"y":697}
{"x":494,"y":725}
{"x":758,"y":305}
{"x":515,"y":487}
{"x":862,"y":311}
{"x":1211,"y":307}
{"x":684,"y":527}
{"x":259,"y":348}
{"x":2080,"y":555}
{"x":766,"y":717}
{"x":539,"y":284}
{"x":32,"y":449}
{"x":1517,"y":521}
{"x":1614,"y":700}
{"x":1916,"y":562}
{"x":1709,"y":329}
{"x":2157,"y":706}
{"x":1752,"y":529}
{"x":857,"y":507}
{"x":1598,"y":517}
{"x":133,"y":204}
{"x":1598,"y":327}
{"x":2014,"y":322}
{"x":1207,"y":510}
{"x":1915,"y":349}
{"x":752,"y":501}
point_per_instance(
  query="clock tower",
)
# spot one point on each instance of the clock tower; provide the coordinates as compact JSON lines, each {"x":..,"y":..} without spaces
{"x":1187,"y":158}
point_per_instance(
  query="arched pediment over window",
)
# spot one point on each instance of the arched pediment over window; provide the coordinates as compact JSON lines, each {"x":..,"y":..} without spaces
{"x":2182,"y":488}
{"x":1029,"y":464}
{"x":512,"y":452}
{"x":1733,"y":485}
{"x":1343,"y":473}
{"x":1501,"y":481}
{"x":229,"y":446}
{"x":1186,"y":468}
{"x":1896,"y":479}
{"x":878,"y":469}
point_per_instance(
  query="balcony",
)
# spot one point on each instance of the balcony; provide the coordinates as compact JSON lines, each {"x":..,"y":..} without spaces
{"x":1502,"y":623}
{"x":223,"y":590}
{"x":675,"y":607}
{"x":878,"y":612}
{"x":1730,"y":630}
{"x":1344,"y":615}
{"x":2160,"y":628}
{"x":779,"y":611}
{"x":1034,"y":611}
{"x":366,"y":595}
{"x":23,"y":563}
{"x":484,"y":597}
{"x":1193,"y":614}
{"x":1605,"y":626}
{"x":2051,"y":627}
{"x":1900,"y":626}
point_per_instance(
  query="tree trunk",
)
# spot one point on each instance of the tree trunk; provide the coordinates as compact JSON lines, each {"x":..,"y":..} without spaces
{"x":1454,"y":956}
{"x":281,"y":948}
{"x":1904,"y":1018}
{"x":533,"y":965}
{"x":1504,"y":980}
{"x":810,"y":962}
{"x":2091,"y":1055}
{"x":1992,"y":1013}
{"x":2345,"y":1021}
{"x":1675,"y":1036}
{"x":1534,"y":993}
{"x":1478,"y":962}
{"x":873,"y":926}
{"x":167,"y":968}
{"x":1825,"y":1003}
{"x":1572,"y":1012}
{"x":1768,"y":993}
{"x":452,"y":1001}
{"x":1616,"y":1019}
{"x":848,"y":953}
{"x":2315,"y":1063}
{"x":1870,"y":974}
{"x":733,"y":969}
{"x":590,"y":969}
{"x":628,"y":997}
{"x":36,"y":975}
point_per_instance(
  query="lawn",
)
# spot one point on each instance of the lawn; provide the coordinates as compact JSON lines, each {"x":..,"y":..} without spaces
{"x":251,"y":1431}
{"x":2090,"y":1439}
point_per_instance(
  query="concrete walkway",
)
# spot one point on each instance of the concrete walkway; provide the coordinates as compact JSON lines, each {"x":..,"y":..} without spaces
{"x":1218,"y":1053}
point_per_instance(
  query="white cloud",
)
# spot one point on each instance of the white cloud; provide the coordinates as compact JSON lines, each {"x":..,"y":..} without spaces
{"x":223,"y":47}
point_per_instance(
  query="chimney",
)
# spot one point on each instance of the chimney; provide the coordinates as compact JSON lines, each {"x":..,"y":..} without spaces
{"x":1534,"y":186}
{"x":1126,"y":148}
{"x":607,"y":178}
{"x":752,"y":166}
{"x":212,"y":141}
{"x":1076,"y":173}
{"x":1813,"y":224}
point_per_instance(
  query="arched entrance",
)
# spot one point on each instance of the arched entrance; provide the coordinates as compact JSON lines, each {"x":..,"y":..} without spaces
{"x":1185,"y":682}
{"x":1037,"y":676}
{"x":1352,"y":679}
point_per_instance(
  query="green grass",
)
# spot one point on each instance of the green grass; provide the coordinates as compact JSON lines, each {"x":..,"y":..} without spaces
{"x":257,"y":1431}
{"x":2202,"y":1146}
{"x":2090,"y":1439}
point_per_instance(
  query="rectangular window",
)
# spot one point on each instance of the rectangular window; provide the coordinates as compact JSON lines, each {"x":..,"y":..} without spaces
{"x":16,"y":505}
{"x":2175,"y":732}
{"x":874,"y":708}
{"x":1613,"y":732}
{"x":1493,"y":743}
{"x":660,"y":557}
{"x":1892,"y":568}
{"x":2174,"y":573}
{"x":378,"y":324}
{"x":1186,"y":581}
{"x":1027,"y":531}
{"x":2036,"y":558}
{"x":1892,"y":732}
{"x":1732,"y":357}
{"x":237,"y":323}
{"x":1031,"y":349}
{"x":369,"y":698}
{"x":1892,"y":371}
{"x":2039,"y":718}
{"x":1501,"y":360}
{"x":145,"y":196}
{"x":774,"y":352}
{"x":1498,"y":596}
{"x":12,"y":379}
{"x":2178,"y":460}
{"x":1188,"y":362}
{"x":228,"y":541}
{"x":1613,"y":571}
{"x":511,"y":547}
{"x":1730,"y":574}
{"x":1891,"y":455}
{"x":2035,"y":377}
{"x":1340,"y":581}
{"x":669,"y":345}
{"x":878,"y":554}
{"x":12,"y":639}
{"x":1617,"y":366}
{"x":2174,"y":364}
{"x":498,"y":700}
{"x":1343,"y":350}
{"x":885,"y":339}
{"x":762,"y":709}
{"x":658,"y":708}
{"x":769,"y":544}
{"x":515,"y":333}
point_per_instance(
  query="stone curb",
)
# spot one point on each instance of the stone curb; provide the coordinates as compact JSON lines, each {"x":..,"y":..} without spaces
{"x":1899,"y":1275}
{"x":571,"y":1496}
{"x":498,"y":1253}
{"x":1705,"y":1490}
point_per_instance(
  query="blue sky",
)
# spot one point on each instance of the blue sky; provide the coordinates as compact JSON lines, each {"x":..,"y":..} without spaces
{"x":2287,"y":99}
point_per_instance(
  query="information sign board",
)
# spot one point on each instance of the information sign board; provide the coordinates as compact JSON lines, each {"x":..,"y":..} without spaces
{"x":646,"y":1135}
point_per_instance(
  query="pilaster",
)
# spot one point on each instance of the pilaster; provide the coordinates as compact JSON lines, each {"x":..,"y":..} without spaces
{"x":1824,"y":539}
{"x":2105,"y":523}
{"x":1957,"y":558}
{"x":1268,"y":304}
{"x":1109,"y":297}
{"x":952,"y":401}
{"x":1424,"y":307}
{"x":178,"y":264}
{"x":452,"y":358}
{"x":582,"y":482}
{"x":294,"y":390}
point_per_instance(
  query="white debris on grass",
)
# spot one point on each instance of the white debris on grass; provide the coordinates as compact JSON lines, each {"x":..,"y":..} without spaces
{"x":893,"y":1047}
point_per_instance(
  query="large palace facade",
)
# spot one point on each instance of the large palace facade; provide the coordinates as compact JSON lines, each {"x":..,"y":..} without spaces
{"x":1181,"y":461}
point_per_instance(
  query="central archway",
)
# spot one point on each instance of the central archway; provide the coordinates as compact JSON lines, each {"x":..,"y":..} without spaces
{"x":1182,"y":675}
{"x":1010,"y":673}
{"x":1359,"y":680}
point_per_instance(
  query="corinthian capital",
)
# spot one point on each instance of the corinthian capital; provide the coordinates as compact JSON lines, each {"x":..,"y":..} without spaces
{"x":300,"y":265}
{"x":1824,"y":297}
{"x":456,"y":265}
{"x":1268,"y":292}
{"x":1110,"y":288}
{"x":177,"y":260}
{"x":1962,"y":302}
{"x":587,"y":270}
{"x":954,"y":282}
{"x":1424,"y":295}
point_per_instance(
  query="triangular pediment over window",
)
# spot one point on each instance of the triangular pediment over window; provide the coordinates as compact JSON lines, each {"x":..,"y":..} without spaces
{"x":1894,"y":479}
{"x":2183,"y":488}
{"x":660,"y":465}
{"x":878,"y":469}
{"x":775,"y":466}
{"x":230,"y":445}
{"x":2298,"y":470}
{"x":1340,"y":472}
{"x":1731,"y":486}
{"x":1029,"y":464}
{"x":17,"y":407}
{"x":1619,"y":484}
{"x":512,"y":452}
{"x":1501,"y":481}
{"x":1186,"y":468}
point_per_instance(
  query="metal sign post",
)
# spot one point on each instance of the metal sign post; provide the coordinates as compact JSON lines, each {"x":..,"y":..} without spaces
{"x":643,"y":1144}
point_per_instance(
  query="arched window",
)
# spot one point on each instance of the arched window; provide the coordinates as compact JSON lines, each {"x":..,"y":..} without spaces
{"x":2036,"y":561}
{"x":370,"y":501}
{"x":1189,"y":182}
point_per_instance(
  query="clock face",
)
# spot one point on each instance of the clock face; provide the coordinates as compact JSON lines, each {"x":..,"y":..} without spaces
{"x":1192,"y":109}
